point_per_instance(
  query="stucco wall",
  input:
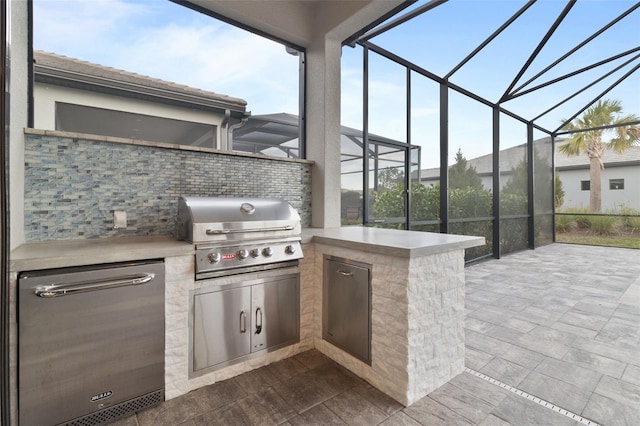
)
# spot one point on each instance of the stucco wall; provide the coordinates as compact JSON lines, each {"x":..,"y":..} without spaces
{"x":611,"y":199}
{"x":73,"y":185}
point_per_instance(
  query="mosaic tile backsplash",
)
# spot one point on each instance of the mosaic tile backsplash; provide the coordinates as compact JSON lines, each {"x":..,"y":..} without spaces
{"x":73,"y":186}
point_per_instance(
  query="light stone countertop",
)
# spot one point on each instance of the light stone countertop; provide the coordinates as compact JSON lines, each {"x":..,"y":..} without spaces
{"x":390,"y":242}
{"x":64,"y":253}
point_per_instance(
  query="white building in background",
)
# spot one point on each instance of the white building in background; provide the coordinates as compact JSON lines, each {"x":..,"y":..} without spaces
{"x":78,"y":96}
{"x":620,"y":180}
{"x":620,"y":177}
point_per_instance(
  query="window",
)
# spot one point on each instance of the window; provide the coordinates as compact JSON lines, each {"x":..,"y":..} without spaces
{"x":100,"y":121}
{"x":585,"y":185}
{"x":615,"y":184}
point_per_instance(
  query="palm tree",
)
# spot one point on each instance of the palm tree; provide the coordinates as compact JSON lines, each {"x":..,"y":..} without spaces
{"x":604,"y":113}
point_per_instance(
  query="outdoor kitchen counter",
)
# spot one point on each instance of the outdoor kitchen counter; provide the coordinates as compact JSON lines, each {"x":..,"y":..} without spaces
{"x":416,"y":307}
{"x":60,"y":254}
{"x":390,"y":242}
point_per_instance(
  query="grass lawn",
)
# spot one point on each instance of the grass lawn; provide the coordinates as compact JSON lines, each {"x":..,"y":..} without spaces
{"x":624,"y":240}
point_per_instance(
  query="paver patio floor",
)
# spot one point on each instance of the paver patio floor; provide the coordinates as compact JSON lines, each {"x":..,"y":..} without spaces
{"x":562,"y":323}
{"x":559,"y":324}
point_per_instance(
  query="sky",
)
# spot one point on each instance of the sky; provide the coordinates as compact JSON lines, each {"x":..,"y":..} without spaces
{"x":441,"y":38}
{"x":163,"y":40}
{"x":160,"y":39}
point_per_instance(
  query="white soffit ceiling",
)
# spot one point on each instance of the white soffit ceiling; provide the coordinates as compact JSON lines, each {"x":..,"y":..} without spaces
{"x":300,"y":21}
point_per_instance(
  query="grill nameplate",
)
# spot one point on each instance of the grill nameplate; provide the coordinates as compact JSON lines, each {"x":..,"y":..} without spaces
{"x":114,"y":412}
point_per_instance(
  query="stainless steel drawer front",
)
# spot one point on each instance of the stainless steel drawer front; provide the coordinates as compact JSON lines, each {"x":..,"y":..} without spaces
{"x":346,"y":306}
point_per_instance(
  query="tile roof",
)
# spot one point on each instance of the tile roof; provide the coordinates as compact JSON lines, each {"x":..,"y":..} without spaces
{"x":610,"y":158}
{"x":56,"y":66}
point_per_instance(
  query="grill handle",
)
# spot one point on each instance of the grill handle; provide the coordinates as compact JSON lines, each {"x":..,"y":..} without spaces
{"x":242,"y":231}
{"x":54,"y":290}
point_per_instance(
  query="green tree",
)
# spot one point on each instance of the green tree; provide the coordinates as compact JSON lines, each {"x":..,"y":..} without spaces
{"x":389,"y":177}
{"x":590,"y":142}
{"x":517,"y":183}
{"x":514,"y":195}
{"x":559,"y":193}
{"x":389,"y":202}
{"x":462,"y":176}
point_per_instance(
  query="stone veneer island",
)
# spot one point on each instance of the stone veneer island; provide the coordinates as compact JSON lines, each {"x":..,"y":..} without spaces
{"x":417,"y":312}
{"x":417,"y":303}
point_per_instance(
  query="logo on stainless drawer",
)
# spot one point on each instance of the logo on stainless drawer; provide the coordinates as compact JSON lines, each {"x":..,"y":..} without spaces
{"x":101,"y":396}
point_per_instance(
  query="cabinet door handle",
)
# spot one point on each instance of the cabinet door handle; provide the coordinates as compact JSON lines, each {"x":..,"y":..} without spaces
{"x":344,"y":273}
{"x":243,"y":322}
{"x":258,"y":321}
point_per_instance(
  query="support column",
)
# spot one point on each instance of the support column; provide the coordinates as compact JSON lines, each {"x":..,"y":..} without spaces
{"x":18,"y":112}
{"x":323,"y":130}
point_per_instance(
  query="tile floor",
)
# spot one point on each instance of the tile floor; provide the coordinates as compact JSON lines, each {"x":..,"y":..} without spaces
{"x":560,"y":323}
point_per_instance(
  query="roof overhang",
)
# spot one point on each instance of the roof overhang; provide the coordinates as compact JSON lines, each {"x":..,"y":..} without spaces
{"x":299,"y":23}
{"x":68,"y":78}
{"x":632,"y":163}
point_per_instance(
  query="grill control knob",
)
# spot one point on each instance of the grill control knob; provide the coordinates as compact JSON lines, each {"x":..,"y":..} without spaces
{"x":214,"y":257}
{"x":290,"y":249}
{"x":255,"y":253}
{"x":267,"y":252}
{"x":242,"y":254}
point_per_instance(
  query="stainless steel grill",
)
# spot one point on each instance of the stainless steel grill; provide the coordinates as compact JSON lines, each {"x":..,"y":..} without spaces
{"x":247,"y":301}
{"x":237,"y":235}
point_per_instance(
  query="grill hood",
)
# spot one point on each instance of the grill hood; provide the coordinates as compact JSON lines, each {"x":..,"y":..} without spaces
{"x":214,"y":219}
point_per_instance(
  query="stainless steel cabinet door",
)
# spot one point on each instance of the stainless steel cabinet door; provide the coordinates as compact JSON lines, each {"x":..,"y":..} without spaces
{"x":347,"y":308}
{"x":234,"y":324}
{"x":221,"y":326}
{"x":275,"y":306}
